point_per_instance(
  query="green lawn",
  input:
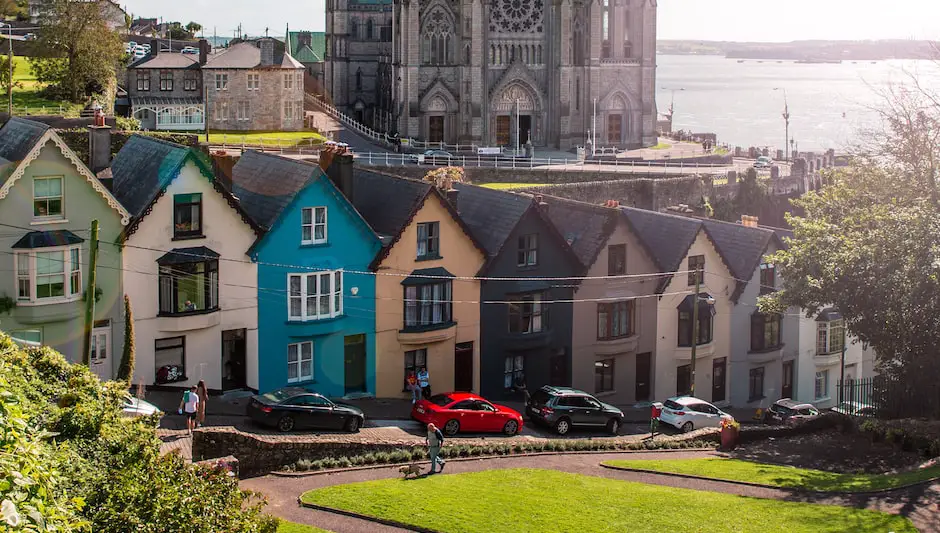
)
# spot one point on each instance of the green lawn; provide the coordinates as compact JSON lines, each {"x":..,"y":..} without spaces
{"x":782,"y":476}
{"x":267,"y":138}
{"x":291,"y":527}
{"x":508,"y":186}
{"x":661,"y":146}
{"x":26,"y":95}
{"x":532,"y":500}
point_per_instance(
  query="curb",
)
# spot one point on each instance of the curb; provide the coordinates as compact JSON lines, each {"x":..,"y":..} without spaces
{"x":479,"y":458}
{"x":774,"y":487}
{"x":373,"y":519}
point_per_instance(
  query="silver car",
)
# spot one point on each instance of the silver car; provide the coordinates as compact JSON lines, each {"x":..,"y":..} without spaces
{"x":137,"y":407}
{"x":686,"y":413}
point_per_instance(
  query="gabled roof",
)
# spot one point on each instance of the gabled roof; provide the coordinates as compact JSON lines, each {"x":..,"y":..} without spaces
{"x":144,"y":168}
{"x":265,"y":184}
{"x":668,"y":237}
{"x":312,"y":53}
{"x":492,"y":215}
{"x":17,"y":138}
{"x":247,"y":55}
{"x":741,"y":248}
{"x":585,"y":227}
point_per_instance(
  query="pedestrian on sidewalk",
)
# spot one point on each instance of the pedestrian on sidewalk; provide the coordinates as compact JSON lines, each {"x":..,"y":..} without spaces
{"x":434,"y":441}
{"x":424,"y":381}
{"x":189,"y":405}
{"x":203,"y":393}
{"x":412,"y":383}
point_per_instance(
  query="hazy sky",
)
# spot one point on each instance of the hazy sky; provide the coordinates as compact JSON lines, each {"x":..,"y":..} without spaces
{"x":729,"y":20}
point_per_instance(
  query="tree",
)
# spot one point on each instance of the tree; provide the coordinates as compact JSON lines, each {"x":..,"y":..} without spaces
{"x":126,"y":370}
{"x":83,"y":49}
{"x":5,"y":74}
{"x":869,"y":244}
{"x":194,"y":28}
{"x":444,"y":177}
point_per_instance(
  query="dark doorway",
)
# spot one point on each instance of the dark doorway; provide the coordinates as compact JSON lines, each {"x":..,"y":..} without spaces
{"x":360,"y":116}
{"x":786,"y":390}
{"x":558,"y":371}
{"x":502,"y":130}
{"x":354,"y":357}
{"x":525,"y":128}
{"x":233,"y":359}
{"x":643,"y":369}
{"x":436,"y":129}
{"x":463,"y":367}
{"x":718,"y":379}
{"x":614,"y":129}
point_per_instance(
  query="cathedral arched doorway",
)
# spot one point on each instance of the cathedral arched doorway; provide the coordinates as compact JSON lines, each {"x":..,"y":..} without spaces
{"x":438,"y":111}
{"x":516,"y":116}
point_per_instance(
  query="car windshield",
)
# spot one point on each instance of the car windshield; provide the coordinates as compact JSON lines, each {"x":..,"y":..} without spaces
{"x":673,"y":405}
{"x":540,"y":398}
{"x":279,"y":395}
{"x":440,"y":400}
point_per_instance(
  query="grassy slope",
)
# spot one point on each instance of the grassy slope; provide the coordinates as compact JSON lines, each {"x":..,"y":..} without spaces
{"x":267,"y":138}
{"x":531,"y":500}
{"x":27,"y":93}
{"x":782,"y":476}
{"x":508,"y":186}
{"x":291,"y":527}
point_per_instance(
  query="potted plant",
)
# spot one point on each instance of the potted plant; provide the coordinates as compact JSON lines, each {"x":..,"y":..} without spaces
{"x":730,"y":429}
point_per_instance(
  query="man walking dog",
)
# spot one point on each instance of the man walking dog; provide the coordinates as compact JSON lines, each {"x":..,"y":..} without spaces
{"x":435,"y":440}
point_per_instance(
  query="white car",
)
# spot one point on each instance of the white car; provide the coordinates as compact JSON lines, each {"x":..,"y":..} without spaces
{"x":686,"y":413}
{"x":763,"y":162}
{"x":189,"y":50}
{"x":137,"y":407}
{"x":855,"y":409}
{"x":140,"y":53}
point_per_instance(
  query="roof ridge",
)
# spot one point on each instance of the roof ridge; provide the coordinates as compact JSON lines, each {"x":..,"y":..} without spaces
{"x":735,"y":224}
{"x":661,"y":213}
{"x":27,"y":121}
{"x":282,"y":158}
{"x":161,"y":141}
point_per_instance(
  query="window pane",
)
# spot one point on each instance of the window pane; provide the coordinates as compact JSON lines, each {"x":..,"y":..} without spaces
{"x":22,"y":263}
{"x":50,"y":262}
{"x":319,"y":232}
{"x":602,"y":321}
{"x":321,"y":215}
{"x":306,"y":233}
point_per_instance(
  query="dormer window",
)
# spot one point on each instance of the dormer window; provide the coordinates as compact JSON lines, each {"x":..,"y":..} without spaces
{"x":313,"y":225}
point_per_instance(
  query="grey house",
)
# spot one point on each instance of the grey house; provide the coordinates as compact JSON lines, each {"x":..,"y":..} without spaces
{"x":166,"y":90}
{"x":526,"y":322}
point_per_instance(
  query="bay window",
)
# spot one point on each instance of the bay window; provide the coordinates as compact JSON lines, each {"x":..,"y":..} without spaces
{"x":49,"y":275}
{"x":189,"y":287}
{"x":705,"y":322}
{"x":428,"y":304}
{"x":830,"y":336}
{"x":315,"y":296}
{"x":528,"y":314}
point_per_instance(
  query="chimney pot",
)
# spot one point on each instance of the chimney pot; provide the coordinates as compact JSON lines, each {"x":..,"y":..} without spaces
{"x":452,"y":196}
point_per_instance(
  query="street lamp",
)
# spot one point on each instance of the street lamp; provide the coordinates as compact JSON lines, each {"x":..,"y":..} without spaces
{"x":786,"y":121}
{"x":594,"y":129}
{"x":672,"y":102}
{"x":699,"y":272}
{"x":10,"y":84}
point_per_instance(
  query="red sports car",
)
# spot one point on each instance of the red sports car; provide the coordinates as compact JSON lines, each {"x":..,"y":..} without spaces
{"x":462,"y":411}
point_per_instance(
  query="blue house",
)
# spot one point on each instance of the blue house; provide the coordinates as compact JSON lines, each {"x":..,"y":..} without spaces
{"x":316,"y":298}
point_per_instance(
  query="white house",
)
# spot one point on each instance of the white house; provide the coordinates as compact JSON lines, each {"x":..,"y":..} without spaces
{"x":192,"y":288}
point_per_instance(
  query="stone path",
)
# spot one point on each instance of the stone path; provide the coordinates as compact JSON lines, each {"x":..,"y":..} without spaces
{"x":920,"y":504}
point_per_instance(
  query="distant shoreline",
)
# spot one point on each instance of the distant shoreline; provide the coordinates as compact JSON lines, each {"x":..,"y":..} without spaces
{"x":805,"y":51}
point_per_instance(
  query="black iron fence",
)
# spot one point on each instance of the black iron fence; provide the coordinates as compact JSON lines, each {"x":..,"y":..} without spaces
{"x":889,"y":398}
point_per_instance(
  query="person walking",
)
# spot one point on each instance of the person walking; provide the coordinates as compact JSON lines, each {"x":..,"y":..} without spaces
{"x":203,"y":393}
{"x":189,"y":405}
{"x":412,"y":383}
{"x":434,"y":441}
{"x":424,"y":381}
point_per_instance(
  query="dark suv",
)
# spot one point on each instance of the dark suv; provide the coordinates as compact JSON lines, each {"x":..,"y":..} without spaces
{"x":562,"y":408}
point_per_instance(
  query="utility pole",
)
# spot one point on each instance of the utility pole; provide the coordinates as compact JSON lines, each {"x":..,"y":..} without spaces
{"x":786,"y":122}
{"x":517,"y":127}
{"x":695,"y":301}
{"x":842,"y":370}
{"x":594,"y":128}
{"x":90,"y":293}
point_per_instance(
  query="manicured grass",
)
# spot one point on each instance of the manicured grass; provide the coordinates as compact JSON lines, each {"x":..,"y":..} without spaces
{"x":508,"y":186}
{"x":291,"y":527}
{"x":532,"y":500}
{"x":267,"y":138}
{"x":782,"y":476}
{"x":661,"y":146}
{"x":26,"y":94}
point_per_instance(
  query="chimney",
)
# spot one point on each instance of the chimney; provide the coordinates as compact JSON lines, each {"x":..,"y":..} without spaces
{"x":267,"y":52}
{"x":452,"y":196}
{"x":540,"y":202}
{"x":749,"y":221}
{"x":155,"y":47}
{"x":99,"y":148}
{"x":339,"y":167}
{"x":204,"y":49}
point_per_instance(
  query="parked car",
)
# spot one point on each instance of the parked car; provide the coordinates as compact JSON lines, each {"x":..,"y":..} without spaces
{"x":460,"y":411}
{"x":562,"y":408}
{"x":434,"y":157}
{"x":137,"y":407}
{"x":189,"y":50}
{"x":686,"y":413}
{"x":763,"y":162}
{"x":292,"y":408}
{"x":30,"y":37}
{"x":785,"y":410}
{"x":855,"y":409}
{"x":139,"y":53}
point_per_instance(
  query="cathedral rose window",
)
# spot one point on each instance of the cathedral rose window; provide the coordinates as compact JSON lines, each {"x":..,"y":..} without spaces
{"x":516,"y":16}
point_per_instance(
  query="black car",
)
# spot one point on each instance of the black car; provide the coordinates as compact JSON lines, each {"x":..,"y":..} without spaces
{"x":562,"y":408}
{"x":295,"y":408}
{"x":785,"y":411}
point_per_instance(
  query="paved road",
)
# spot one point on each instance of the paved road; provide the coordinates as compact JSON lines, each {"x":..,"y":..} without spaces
{"x":920,"y":504}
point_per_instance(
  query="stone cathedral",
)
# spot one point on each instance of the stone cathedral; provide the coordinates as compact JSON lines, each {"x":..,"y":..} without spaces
{"x":496,"y":72}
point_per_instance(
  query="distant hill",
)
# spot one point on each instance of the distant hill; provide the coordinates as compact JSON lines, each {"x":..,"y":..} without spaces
{"x":806,"y":50}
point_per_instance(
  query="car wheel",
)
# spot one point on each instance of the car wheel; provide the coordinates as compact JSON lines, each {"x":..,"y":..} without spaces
{"x":285,"y":424}
{"x":563,"y":426}
{"x":353,"y":424}
{"x":451,"y":427}
{"x":687,"y":427}
{"x":511,"y":427}
{"x":613,"y":427}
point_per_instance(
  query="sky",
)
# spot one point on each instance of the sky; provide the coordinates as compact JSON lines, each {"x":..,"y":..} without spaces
{"x":718,"y":20}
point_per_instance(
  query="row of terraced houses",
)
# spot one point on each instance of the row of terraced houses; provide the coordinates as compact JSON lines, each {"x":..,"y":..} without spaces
{"x":276,"y":272}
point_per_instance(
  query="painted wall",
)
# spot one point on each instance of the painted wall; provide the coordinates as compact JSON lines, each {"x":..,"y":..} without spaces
{"x":461,"y":258}
{"x":669,"y":356}
{"x":229,"y":236}
{"x":61,"y":324}
{"x":537,"y":348}
{"x":352,"y":246}
{"x":810,"y":363}
{"x":586,"y":349}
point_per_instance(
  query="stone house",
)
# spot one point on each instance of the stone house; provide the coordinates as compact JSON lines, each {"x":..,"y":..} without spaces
{"x":166,"y":90}
{"x":254,"y":86}
{"x":48,"y":199}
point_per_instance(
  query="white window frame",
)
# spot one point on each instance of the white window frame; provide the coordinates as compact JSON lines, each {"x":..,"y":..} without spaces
{"x":308,"y":230}
{"x":298,"y":349}
{"x":221,"y":81}
{"x":243,"y":110}
{"x":71,"y":275}
{"x":306,"y":299}
{"x":288,"y":81}
{"x":821,"y":375}
{"x":827,"y":328}
{"x":254,"y":81}
{"x":61,"y":198}
{"x":288,"y":110}
{"x":100,"y":336}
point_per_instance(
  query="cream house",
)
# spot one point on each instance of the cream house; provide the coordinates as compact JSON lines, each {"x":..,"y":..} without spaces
{"x":192,"y":287}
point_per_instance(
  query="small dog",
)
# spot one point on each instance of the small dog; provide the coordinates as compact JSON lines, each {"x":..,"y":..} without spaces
{"x":408,"y":470}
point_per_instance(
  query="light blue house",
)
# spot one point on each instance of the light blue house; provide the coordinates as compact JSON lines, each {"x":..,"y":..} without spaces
{"x":316,"y":299}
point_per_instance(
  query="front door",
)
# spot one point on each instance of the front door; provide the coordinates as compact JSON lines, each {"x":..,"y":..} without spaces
{"x":643,"y":369}
{"x":558,"y":372}
{"x":718,"y":379}
{"x":233,"y":359}
{"x":614,"y":128}
{"x":502,"y":130}
{"x":354,"y":358}
{"x":463,"y":367}
{"x":525,"y":129}
{"x":436,"y":129}
{"x":101,"y":349}
{"x":787,"y":389}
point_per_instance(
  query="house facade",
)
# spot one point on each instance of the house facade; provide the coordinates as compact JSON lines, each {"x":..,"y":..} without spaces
{"x":254,"y":86}
{"x":192,"y":287}
{"x":48,"y":200}
{"x":317,"y":301}
{"x":166,"y":90}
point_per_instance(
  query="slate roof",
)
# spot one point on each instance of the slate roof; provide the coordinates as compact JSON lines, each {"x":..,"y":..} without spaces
{"x":247,"y":55}
{"x":741,"y":247}
{"x":265,"y":184}
{"x":386,"y":203}
{"x":666,"y":236}
{"x":421,"y":276}
{"x":143,"y":168}
{"x":490,"y":214}
{"x":167,"y":60}
{"x":17,"y":138}
{"x":585,"y":227}
{"x":47,"y":239}
{"x":194,"y":254}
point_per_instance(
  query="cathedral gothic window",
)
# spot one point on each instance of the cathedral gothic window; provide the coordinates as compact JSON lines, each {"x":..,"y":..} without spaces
{"x":437,"y":39}
{"x":516,"y":16}
{"x":605,"y":30}
{"x":578,"y":48}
